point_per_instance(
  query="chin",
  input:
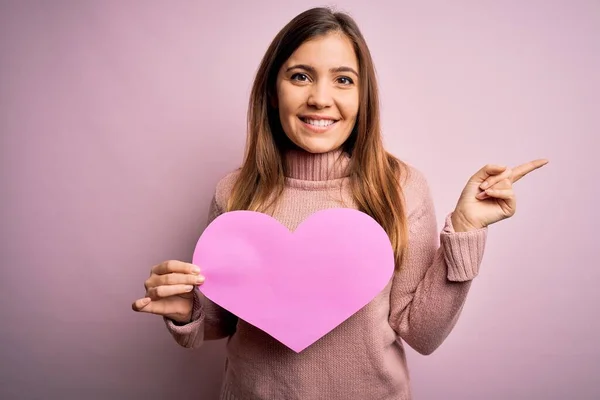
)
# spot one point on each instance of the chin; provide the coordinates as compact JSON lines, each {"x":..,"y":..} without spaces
{"x":318,"y":148}
{"x":318,"y":145}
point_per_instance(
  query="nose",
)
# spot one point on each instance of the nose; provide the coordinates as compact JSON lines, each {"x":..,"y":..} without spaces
{"x":320,"y":95}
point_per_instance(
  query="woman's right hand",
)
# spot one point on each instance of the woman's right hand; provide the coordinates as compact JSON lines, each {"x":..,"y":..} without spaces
{"x":169,"y":291}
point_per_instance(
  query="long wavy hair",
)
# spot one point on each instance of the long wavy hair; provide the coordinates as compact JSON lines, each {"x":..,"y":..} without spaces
{"x":374,"y":174}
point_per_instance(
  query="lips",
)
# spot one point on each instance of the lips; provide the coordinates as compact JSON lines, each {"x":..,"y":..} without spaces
{"x":320,"y":125}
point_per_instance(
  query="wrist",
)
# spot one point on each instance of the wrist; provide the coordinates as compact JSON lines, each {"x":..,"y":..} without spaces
{"x":181,"y":319}
{"x":461,"y":224}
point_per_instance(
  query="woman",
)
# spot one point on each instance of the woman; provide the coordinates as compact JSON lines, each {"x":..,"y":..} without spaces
{"x":314,"y":142}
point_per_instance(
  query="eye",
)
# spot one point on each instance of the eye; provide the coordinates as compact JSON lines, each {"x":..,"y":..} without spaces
{"x":344,"y":80}
{"x":299,"y":77}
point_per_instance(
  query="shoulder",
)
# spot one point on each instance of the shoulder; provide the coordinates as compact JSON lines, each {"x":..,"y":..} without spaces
{"x":224,"y":188}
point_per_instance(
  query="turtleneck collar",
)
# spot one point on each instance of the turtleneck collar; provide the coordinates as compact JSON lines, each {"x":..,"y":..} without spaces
{"x":304,"y":166}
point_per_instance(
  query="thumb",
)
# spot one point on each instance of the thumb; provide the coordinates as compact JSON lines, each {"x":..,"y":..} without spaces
{"x":140,"y":304}
{"x":489,"y":170}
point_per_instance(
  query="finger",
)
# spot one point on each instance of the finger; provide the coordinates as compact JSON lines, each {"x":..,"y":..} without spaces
{"x":487,"y":171}
{"x":174,"y":279}
{"x":494,"y":179}
{"x":503,"y":184}
{"x":524,"y":169}
{"x":139,"y":304}
{"x":172,"y":266}
{"x":160,"y":292}
{"x":145,"y":305}
{"x":493,"y":169}
{"x":505,"y":194}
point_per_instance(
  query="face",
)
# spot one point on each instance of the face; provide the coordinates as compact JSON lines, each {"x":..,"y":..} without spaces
{"x":317,"y":93}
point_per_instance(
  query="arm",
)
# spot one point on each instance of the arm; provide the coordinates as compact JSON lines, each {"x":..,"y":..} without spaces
{"x":209,"y":321}
{"x":428,"y":294}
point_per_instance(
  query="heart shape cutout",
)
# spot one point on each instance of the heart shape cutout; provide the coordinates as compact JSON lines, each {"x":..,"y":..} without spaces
{"x":296,"y":286}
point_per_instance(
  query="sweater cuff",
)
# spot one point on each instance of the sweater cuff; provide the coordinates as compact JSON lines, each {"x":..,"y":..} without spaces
{"x":186,"y":334}
{"x":463,"y":251}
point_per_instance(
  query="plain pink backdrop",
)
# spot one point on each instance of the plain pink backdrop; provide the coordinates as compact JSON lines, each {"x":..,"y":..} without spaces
{"x":117,"y":118}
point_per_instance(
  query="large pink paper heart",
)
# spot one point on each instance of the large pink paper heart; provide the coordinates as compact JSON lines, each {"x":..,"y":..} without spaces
{"x":295,"y":286}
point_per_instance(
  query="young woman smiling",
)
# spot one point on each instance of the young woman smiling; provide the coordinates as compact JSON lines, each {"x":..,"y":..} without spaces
{"x":314,"y":142}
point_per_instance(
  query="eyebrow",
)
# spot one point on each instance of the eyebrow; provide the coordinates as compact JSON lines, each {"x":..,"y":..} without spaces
{"x":312,"y":70}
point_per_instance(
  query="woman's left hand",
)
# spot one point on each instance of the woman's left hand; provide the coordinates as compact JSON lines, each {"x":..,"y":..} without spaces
{"x":488,"y":197}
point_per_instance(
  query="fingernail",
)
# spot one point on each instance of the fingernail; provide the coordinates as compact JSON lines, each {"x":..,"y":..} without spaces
{"x":145,"y":301}
{"x":200,"y":279}
{"x":195,"y":270}
{"x":484,"y":185}
{"x":189,"y":288}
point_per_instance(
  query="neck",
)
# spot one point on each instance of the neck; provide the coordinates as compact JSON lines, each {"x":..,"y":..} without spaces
{"x":302,"y":165}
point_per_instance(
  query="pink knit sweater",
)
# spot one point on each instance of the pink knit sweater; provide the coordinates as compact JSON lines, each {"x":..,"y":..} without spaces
{"x":364,"y":357}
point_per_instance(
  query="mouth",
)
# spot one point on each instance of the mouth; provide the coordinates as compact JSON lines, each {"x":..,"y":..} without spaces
{"x":318,"y":124}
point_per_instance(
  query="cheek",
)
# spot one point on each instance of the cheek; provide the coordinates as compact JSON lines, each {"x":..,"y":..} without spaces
{"x":291,"y":99}
{"x":349,"y":107}
{"x":286,"y":114}
{"x":292,"y":104}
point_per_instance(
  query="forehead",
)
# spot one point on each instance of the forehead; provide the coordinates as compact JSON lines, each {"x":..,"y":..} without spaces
{"x":331,"y":50}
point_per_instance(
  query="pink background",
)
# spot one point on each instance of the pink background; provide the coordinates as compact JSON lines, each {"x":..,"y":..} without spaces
{"x":118,"y":118}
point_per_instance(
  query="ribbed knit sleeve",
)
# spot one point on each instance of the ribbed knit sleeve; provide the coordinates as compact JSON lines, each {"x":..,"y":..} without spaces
{"x":209,"y":321}
{"x":463,"y":251}
{"x":428,"y":293}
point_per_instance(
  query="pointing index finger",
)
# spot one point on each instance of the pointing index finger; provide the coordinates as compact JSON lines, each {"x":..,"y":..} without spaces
{"x":523,"y":169}
{"x":174,"y":266}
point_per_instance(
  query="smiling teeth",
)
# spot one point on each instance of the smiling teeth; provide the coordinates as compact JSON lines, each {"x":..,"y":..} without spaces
{"x":320,"y":122}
